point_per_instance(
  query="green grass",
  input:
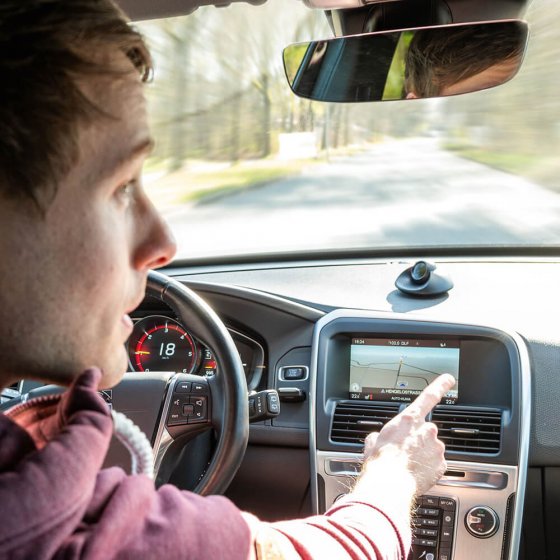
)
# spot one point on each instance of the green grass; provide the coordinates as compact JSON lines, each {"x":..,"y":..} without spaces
{"x":541,"y":169}
{"x":238,"y":177}
{"x":519,"y":164}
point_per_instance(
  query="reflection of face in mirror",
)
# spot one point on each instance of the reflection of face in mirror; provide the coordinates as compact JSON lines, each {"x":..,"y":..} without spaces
{"x":408,"y":63}
{"x":462,"y":60}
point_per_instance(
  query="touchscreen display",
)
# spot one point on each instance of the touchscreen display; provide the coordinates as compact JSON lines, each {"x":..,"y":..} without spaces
{"x":383,"y":369}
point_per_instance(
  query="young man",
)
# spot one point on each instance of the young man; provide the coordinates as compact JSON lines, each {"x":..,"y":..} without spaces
{"x":77,"y":238}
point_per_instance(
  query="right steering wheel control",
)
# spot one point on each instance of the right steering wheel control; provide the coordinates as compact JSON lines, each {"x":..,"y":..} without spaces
{"x":482,"y":522}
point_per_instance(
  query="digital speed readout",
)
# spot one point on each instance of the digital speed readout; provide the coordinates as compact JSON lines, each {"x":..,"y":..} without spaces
{"x":161,"y":344}
{"x":395,"y":369}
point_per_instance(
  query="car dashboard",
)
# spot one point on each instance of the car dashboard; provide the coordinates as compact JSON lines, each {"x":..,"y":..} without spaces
{"x":299,"y":322}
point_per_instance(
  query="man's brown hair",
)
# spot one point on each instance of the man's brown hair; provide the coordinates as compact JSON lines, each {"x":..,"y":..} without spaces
{"x":46,"y":47}
{"x":435,"y":61}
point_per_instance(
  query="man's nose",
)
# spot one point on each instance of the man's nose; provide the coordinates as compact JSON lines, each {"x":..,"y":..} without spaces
{"x":158,"y":246}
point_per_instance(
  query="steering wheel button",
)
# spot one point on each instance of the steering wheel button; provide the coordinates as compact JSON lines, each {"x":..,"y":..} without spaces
{"x":183,"y":387}
{"x":199,"y":388}
{"x":176,"y":416}
{"x":199,"y":413}
{"x":188,"y":409}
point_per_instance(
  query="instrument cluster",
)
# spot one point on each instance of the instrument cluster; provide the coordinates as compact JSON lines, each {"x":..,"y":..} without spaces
{"x":161,"y":343}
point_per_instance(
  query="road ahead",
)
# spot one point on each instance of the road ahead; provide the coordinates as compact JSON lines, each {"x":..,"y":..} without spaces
{"x":407,"y":193}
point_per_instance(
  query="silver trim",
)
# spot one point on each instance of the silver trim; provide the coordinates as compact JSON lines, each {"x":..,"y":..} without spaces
{"x":465,"y":546}
{"x":520,"y":477}
{"x":492,"y":480}
{"x":281,"y":373}
{"x":524,"y":443}
{"x":163,"y":437}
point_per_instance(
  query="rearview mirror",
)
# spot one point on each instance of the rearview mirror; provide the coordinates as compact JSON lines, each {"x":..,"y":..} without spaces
{"x":407,"y":64}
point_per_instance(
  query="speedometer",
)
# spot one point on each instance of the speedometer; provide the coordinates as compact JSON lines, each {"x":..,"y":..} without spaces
{"x":159,"y":343}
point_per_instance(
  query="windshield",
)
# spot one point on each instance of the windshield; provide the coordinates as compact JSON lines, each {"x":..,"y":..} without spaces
{"x":243,"y":167}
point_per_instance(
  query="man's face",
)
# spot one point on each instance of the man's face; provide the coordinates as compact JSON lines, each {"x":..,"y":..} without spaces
{"x":491,"y":77}
{"x":70,"y":278}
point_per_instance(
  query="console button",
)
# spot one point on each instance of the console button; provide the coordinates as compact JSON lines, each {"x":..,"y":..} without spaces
{"x":428,"y":522}
{"x":429,"y":512}
{"x":429,"y":532}
{"x":482,"y":522}
{"x":444,"y":554}
{"x":430,"y":501}
{"x":447,"y":504}
{"x":446,"y":534}
{"x":448,"y":519}
{"x":294,"y":373}
{"x":424,"y":542}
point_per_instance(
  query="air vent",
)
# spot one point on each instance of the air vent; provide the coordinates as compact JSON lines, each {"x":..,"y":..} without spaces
{"x":352,"y":422}
{"x":469,"y":431}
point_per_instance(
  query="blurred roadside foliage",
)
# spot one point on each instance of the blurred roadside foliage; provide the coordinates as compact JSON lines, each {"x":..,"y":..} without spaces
{"x":220,"y":95}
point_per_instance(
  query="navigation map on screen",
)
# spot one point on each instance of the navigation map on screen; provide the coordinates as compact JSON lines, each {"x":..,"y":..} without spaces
{"x":398,"y":369}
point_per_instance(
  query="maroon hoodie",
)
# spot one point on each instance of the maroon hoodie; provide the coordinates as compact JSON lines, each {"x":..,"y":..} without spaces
{"x":55,"y":502}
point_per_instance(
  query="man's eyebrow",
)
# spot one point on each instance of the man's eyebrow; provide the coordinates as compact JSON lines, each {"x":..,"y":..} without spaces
{"x":120,"y":159}
{"x":143,"y":148}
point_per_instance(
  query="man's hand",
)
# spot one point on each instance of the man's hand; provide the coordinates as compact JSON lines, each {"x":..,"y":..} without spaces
{"x":409,"y":442}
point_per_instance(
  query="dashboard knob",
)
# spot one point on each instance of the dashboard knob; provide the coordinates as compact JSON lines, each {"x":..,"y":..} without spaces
{"x":482,"y":522}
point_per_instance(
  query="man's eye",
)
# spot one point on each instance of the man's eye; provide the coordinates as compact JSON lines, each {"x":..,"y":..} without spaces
{"x":126,"y":190}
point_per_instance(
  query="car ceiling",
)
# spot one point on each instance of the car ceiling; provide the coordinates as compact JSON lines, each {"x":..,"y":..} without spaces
{"x":462,"y":10}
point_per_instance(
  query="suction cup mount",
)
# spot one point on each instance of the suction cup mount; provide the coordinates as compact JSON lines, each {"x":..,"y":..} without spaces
{"x":421,"y":280}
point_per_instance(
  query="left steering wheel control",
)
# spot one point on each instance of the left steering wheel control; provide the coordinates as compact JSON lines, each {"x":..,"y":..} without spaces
{"x":190,"y":403}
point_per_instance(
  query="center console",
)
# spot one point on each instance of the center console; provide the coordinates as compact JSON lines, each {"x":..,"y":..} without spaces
{"x":367,"y":367}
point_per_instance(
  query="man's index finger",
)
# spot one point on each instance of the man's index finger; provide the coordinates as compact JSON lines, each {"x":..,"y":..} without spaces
{"x":431,"y":395}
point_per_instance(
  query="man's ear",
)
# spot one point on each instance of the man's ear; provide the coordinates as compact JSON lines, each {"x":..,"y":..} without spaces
{"x":412,"y":95}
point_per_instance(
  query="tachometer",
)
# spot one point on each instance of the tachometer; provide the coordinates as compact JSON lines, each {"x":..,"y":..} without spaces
{"x":158,"y":343}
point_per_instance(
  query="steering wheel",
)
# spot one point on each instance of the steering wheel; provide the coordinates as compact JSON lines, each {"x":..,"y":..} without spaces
{"x":177,"y":407}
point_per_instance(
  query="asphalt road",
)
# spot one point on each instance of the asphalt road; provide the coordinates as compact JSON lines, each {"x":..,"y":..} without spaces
{"x":406,"y":193}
